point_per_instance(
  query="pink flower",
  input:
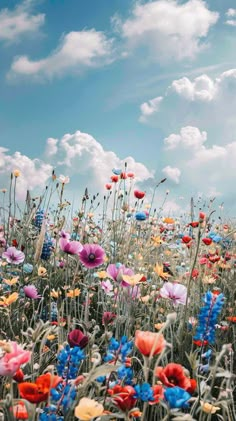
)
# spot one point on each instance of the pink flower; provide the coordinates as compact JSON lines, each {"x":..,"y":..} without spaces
{"x":64,"y":234}
{"x":14,"y":256}
{"x":107,"y":286}
{"x":108,"y":317}
{"x":13,"y":357}
{"x":31,"y":292}
{"x":175,"y":292}
{"x":70,"y":247}
{"x":92,"y":256}
{"x":116,"y":272}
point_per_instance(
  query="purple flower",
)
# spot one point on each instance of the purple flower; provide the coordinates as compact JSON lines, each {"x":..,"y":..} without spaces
{"x":175,"y":292}
{"x":31,"y":292}
{"x":92,"y":256}
{"x":107,"y":286}
{"x":70,"y":247}
{"x":64,"y":234}
{"x":77,"y":338}
{"x":2,"y":242}
{"x":14,"y":256}
{"x":116,"y":272}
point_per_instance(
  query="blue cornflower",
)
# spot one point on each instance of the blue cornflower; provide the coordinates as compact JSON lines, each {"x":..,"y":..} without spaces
{"x":208,"y":317}
{"x":144,"y":392}
{"x":69,"y":360}
{"x":140,"y":216}
{"x":177,"y":397}
{"x":125,"y":374}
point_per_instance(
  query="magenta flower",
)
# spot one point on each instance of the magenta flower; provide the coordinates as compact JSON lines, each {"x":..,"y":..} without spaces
{"x":70,"y":247}
{"x":2,"y":242}
{"x":116,"y":272}
{"x":107,"y":286}
{"x":92,"y":256}
{"x":13,"y":357}
{"x":64,"y":234}
{"x":31,"y":292}
{"x":77,"y":338}
{"x":14,"y":256}
{"x":175,"y":292}
{"x":108,"y":317}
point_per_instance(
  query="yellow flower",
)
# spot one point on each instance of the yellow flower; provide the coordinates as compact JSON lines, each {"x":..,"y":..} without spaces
{"x":72,"y":293}
{"x":133,"y":279}
{"x":42,"y":271}
{"x":51,"y":337}
{"x":159,"y":271}
{"x":12,"y":281}
{"x":156,"y":241}
{"x":102,"y":274}
{"x":55,"y":294}
{"x":16,"y":173}
{"x":7,"y":301}
{"x":208,"y":280}
{"x":209,"y":408}
{"x":88,"y":409}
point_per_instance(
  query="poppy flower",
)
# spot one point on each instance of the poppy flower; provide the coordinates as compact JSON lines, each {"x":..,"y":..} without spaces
{"x":149,"y":343}
{"x":186,"y":239}
{"x":20,"y":411}
{"x":13,"y":256}
{"x":123,"y":176}
{"x":108,"y":186}
{"x":7,"y":301}
{"x":39,"y":391}
{"x":202,"y":216}
{"x":88,"y":409}
{"x":173,"y":375}
{"x":231,"y":319}
{"x":19,"y":376}
{"x":114,"y":178}
{"x":130,"y":174}
{"x":194,"y":224}
{"x":123,"y":397}
{"x":139,"y":194}
{"x":77,"y":338}
{"x":13,"y":358}
{"x":70,"y":247}
{"x":158,"y":393}
{"x":92,"y":255}
{"x":175,"y":292}
{"x":207,"y":241}
{"x":168,"y":220}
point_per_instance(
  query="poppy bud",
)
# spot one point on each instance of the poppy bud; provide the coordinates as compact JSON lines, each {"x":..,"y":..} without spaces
{"x":114,"y":178}
{"x":186,"y":239}
{"x":207,"y":241}
{"x":108,"y":186}
{"x":139,"y":194}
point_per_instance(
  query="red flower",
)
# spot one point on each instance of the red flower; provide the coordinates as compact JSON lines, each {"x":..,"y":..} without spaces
{"x":108,"y":186}
{"x":158,"y":393}
{"x":198,"y":342}
{"x":108,"y":317}
{"x":123,"y":175}
{"x":173,"y":375}
{"x":202,"y":216}
{"x":191,"y":389}
{"x":194,"y":224}
{"x":139,"y":194}
{"x":19,"y":376}
{"x":186,"y":239}
{"x":77,"y":338}
{"x":123,"y":397}
{"x":20,"y":411}
{"x":114,"y":178}
{"x":231,"y":319}
{"x":14,"y":243}
{"x":149,"y":343}
{"x":207,"y":241}
{"x":39,"y":391}
{"x":130,"y":174}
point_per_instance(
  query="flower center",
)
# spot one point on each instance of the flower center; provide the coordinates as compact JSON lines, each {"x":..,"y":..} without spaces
{"x":91,"y":257}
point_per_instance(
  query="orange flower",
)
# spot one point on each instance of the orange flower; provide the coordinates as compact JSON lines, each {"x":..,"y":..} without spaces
{"x":7,"y":301}
{"x":72,"y":293}
{"x":12,"y":281}
{"x":149,"y":343}
{"x":168,"y":220}
{"x":133,"y":279}
{"x":157,"y":241}
{"x":160,"y":272}
{"x":88,"y":409}
{"x":231,"y":319}
{"x":16,"y":173}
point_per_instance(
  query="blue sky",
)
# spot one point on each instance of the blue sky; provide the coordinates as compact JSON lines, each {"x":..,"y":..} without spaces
{"x":151,"y":80}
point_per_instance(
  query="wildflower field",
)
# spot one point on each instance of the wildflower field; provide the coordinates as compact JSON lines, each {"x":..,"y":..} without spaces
{"x":114,"y":310}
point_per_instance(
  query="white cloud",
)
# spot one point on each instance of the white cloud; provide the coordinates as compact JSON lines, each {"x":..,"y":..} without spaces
{"x":34,"y":172}
{"x":231,"y":13}
{"x":150,"y":107}
{"x":189,"y":137}
{"x":170,"y":29}
{"x":172,"y":173}
{"x":19,"y":22}
{"x":203,"y":88}
{"x":76,"y":51}
{"x":51,"y":148}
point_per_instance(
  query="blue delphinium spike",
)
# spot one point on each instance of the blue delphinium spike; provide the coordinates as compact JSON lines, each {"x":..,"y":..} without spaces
{"x":208,"y":316}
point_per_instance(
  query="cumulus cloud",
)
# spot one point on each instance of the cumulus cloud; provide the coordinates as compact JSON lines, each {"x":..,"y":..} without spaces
{"x":231,"y":13}
{"x":170,"y":29}
{"x":76,"y":51}
{"x":34,"y":172}
{"x":189,"y":137}
{"x":19,"y":21}
{"x":202,"y":88}
{"x":51,"y":148}
{"x":150,"y":107}
{"x":172,"y":173}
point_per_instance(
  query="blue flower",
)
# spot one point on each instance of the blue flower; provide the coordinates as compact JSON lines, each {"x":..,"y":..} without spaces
{"x":177,"y":397}
{"x":125,"y":374}
{"x":144,"y":392}
{"x":140,"y":216}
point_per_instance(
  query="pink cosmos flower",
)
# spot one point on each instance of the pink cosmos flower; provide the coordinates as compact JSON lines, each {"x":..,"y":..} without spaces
{"x":107,"y":286}
{"x":12,"y":358}
{"x":116,"y":273}
{"x":92,"y":256}
{"x":14,"y":256}
{"x":64,"y":234}
{"x":175,"y":292}
{"x":31,"y":292}
{"x":70,"y":247}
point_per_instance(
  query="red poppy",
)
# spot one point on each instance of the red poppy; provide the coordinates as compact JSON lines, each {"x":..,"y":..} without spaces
{"x":158,"y":393}
{"x":130,"y":174}
{"x":123,"y":397}
{"x":173,"y":375}
{"x":14,"y":243}
{"x":198,"y":342}
{"x":194,"y":224}
{"x":191,"y":389}
{"x":108,"y":186}
{"x":114,"y":178}
{"x":20,"y":411}
{"x":207,"y":241}
{"x":39,"y":391}
{"x":139,"y":194}
{"x":123,"y":175}
{"x":19,"y":376}
{"x":77,"y":338}
{"x":202,"y":216}
{"x":186,"y":239}
{"x":214,"y":259}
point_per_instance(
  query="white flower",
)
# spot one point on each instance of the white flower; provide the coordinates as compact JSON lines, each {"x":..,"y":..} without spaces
{"x":64,"y":179}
